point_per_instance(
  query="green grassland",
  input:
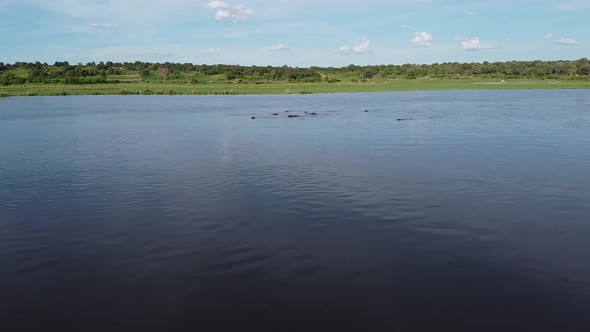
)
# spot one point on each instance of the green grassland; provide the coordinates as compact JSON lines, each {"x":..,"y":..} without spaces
{"x":327,"y":80}
{"x":130,"y":85}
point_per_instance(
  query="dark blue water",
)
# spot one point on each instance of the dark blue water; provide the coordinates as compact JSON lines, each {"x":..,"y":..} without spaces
{"x":165,"y":213}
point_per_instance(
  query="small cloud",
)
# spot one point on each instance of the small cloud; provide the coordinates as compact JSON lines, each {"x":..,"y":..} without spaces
{"x":405,"y":26}
{"x":363,"y":48}
{"x":422,"y":39}
{"x":237,"y":13}
{"x":549,"y":36}
{"x":211,"y":51}
{"x":279,"y":48}
{"x":566,"y":41}
{"x":508,"y":40}
{"x":470,"y":13}
{"x":473,"y":44}
{"x":101,"y":26}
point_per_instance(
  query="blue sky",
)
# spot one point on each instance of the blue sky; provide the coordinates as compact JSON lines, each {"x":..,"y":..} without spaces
{"x":294,"y":32}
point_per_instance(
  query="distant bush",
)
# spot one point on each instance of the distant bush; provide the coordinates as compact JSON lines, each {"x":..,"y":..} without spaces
{"x":11,"y":79}
{"x":333,"y":80}
{"x":305,"y":92}
{"x":147,"y":92}
{"x":85,"y":80}
{"x":580,"y":78}
{"x":166,"y":92}
{"x":231,"y":92}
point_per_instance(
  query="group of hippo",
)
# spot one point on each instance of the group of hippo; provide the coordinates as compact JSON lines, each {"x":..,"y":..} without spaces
{"x":311,"y":113}
{"x":292,"y":115}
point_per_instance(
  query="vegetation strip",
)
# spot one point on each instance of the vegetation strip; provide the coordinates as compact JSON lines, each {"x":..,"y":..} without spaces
{"x":141,"y":78}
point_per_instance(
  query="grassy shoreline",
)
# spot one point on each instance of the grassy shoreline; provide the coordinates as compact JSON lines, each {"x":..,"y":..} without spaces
{"x":392,"y":85}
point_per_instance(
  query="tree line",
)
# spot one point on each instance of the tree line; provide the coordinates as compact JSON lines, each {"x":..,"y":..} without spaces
{"x":96,"y":73}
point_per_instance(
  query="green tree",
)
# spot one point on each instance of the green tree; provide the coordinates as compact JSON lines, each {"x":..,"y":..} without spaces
{"x":368,"y":73}
{"x":584,"y":70}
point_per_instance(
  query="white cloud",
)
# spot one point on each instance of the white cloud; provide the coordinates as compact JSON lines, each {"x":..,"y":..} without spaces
{"x":566,"y":41}
{"x":549,"y":36}
{"x":422,"y":39}
{"x":211,"y":51}
{"x":473,"y":44}
{"x":405,"y":26}
{"x":508,"y":40}
{"x":101,"y":26}
{"x":237,"y":13}
{"x":470,"y":13}
{"x":218,"y":4}
{"x":279,"y":47}
{"x":363,"y":48}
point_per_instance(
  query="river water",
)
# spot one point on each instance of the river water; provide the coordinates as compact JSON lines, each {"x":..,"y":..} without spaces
{"x":155,"y":213}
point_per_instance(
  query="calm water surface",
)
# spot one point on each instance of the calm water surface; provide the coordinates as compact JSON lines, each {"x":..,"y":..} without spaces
{"x":162,"y":213}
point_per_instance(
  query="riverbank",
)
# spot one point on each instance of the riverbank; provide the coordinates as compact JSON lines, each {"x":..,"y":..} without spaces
{"x":143,"y":88}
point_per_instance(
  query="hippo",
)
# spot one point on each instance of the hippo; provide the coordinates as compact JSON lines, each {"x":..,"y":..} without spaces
{"x":293,"y":116}
{"x":253,"y":118}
